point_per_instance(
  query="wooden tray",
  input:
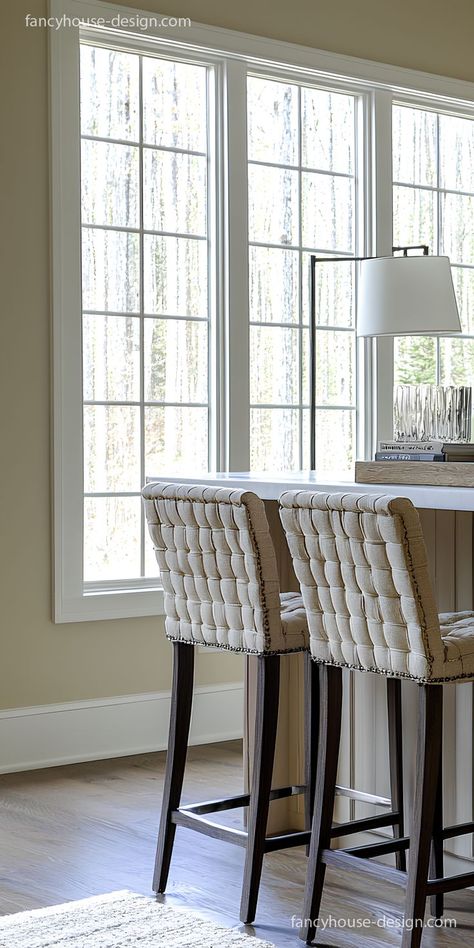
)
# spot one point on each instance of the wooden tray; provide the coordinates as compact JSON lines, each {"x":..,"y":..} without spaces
{"x":430,"y":473}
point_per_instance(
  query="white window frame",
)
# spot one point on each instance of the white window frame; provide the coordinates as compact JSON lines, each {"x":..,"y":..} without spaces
{"x":233,"y":54}
{"x":149,"y":585}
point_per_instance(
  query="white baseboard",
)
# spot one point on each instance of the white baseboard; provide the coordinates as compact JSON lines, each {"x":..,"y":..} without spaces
{"x":53,"y":734}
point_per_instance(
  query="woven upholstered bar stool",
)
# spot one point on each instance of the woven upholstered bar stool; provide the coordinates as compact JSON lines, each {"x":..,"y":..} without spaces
{"x":362,"y":567}
{"x":219,"y":573}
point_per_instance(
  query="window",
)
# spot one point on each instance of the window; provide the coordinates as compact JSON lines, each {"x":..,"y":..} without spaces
{"x":433,"y":169}
{"x":194,"y":172}
{"x":145,"y":293}
{"x":302,"y":200}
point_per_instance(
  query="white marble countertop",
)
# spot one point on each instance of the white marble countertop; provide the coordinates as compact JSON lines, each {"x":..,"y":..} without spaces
{"x":270,"y":485}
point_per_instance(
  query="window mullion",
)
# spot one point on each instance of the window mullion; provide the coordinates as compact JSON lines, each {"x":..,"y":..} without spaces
{"x":237,"y":278}
{"x":216,"y":267}
{"x":363,"y":211}
{"x":382,"y":242}
{"x":439,"y":223}
{"x":142,"y":309}
{"x":301,"y":414}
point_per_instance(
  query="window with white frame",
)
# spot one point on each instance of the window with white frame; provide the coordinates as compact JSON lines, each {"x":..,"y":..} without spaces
{"x":146,"y":267}
{"x":433,"y":170}
{"x":208,"y":170}
{"x":302,"y":200}
{"x":145,"y":293}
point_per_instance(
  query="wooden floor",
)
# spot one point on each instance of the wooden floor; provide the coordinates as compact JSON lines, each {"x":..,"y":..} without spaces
{"x":70,"y":832}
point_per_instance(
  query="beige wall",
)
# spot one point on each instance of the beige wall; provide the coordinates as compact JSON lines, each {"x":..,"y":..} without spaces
{"x":432,"y":35}
{"x":41,"y":662}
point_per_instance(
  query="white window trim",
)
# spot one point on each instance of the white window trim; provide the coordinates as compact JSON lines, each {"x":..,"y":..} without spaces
{"x":234,"y":52}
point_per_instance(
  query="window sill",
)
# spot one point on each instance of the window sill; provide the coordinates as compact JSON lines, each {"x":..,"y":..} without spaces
{"x":115,"y":604}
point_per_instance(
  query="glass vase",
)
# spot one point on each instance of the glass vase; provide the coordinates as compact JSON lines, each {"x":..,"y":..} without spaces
{"x":425,"y":412}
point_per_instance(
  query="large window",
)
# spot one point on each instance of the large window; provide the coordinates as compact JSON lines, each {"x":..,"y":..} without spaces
{"x":302,"y":200}
{"x":433,"y":169}
{"x":145,"y":293}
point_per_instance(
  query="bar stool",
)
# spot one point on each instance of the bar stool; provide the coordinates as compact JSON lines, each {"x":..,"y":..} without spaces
{"x":362,"y":567}
{"x":221,"y":588}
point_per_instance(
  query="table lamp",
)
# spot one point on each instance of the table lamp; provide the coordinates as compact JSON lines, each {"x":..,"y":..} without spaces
{"x":396,"y":296}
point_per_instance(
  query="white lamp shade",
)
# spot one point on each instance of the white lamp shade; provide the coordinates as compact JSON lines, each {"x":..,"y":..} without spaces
{"x":406,"y":296}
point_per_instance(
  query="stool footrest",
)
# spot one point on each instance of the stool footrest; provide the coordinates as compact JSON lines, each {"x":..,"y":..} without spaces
{"x":371,"y":850}
{"x":230,"y":834}
{"x":339,"y":859}
{"x":365,"y":824}
{"x":450,"y":883}
{"x":362,"y":797}
{"x":208,"y":828}
{"x":461,"y":829}
{"x":192,"y":816}
{"x":243,"y":799}
{"x":287,"y":840}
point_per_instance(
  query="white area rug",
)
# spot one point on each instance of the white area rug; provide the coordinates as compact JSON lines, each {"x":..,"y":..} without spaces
{"x":118,"y":920}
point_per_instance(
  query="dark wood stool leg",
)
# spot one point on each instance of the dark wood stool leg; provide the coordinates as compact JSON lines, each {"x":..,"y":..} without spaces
{"x":181,"y":705}
{"x":430,"y":719}
{"x":395,"y":750}
{"x":311,"y":729}
{"x":326,"y":773}
{"x":268,"y":686}
{"x":437,"y":860}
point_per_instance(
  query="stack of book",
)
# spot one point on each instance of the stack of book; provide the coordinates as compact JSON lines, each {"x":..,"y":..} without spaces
{"x":424,"y":451}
